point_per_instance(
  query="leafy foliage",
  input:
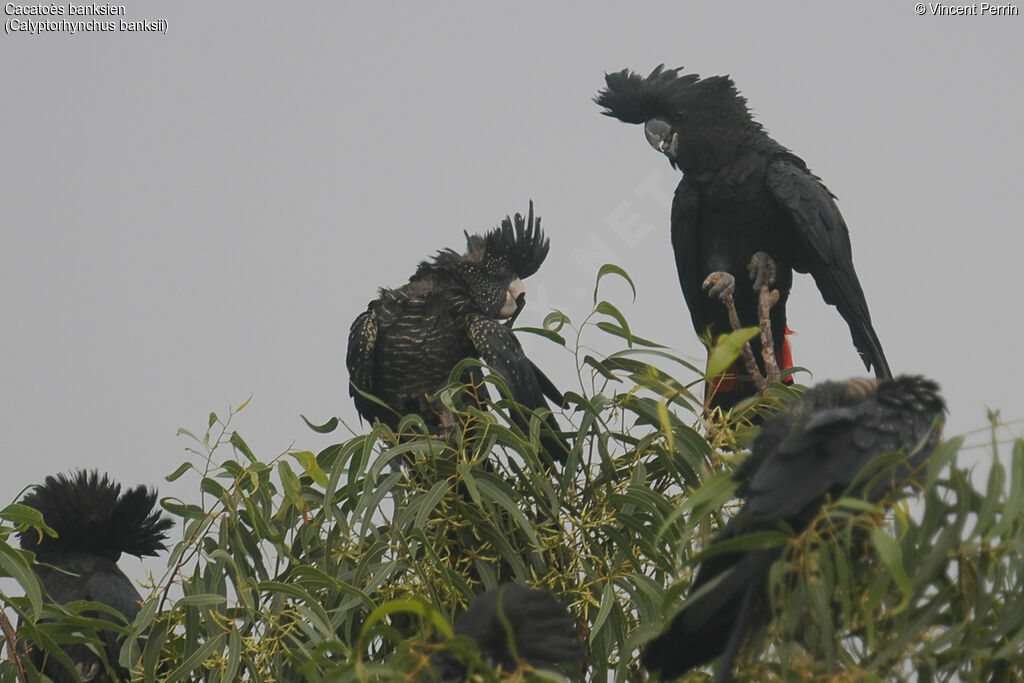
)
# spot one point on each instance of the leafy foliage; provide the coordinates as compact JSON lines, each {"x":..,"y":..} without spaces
{"x":349,"y":564}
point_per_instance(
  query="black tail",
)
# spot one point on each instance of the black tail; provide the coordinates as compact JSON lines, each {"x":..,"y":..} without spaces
{"x":870,"y":350}
{"x":90,"y":514}
{"x":722,"y":615}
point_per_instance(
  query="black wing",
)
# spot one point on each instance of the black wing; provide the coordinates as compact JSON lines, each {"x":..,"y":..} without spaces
{"x":709,"y":624}
{"x":828,"y":255}
{"x":803,"y":467}
{"x":499,"y":348}
{"x":832,"y":445}
{"x":548,"y":387}
{"x":362,"y":339}
{"x":685,"y":244}
{"x":818,"y":445}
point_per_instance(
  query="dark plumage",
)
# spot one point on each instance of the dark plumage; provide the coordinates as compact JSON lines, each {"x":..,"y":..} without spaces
{"x":542,"y":630}
{"x":95,"y":523}
{"x":814,"y":449}
{"x":405,"y":346}
{"x":741,"y":193}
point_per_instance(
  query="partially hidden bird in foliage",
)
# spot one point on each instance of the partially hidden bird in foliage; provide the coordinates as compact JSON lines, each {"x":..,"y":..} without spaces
{"x":812,"y":451}
{"x":514,"y":624}
{"x":95,"y":523}
{"x":403,"y":348}
{"x":745,"y":203}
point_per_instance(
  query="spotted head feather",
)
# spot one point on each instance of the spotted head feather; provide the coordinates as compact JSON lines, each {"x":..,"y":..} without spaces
{"x":520,"y":242}
{"x":517,"y":245}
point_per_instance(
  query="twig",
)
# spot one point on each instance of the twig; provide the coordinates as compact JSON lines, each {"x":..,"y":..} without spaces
{"x":762,"y":271}
{"x":766,"y":299}
{"x":12,"y":646}
{"x":747,"y":353}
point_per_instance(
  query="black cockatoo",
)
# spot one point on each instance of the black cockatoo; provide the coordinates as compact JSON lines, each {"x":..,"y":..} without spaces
{"x":540,"y":629}
{"x":95,"y":524}
{"x":814,"y":449}
{"x":404,"y":347}
{"x":743,"y":196}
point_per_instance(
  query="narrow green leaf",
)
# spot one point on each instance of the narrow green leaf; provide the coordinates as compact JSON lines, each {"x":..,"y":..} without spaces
{"x":202,"y":600}
{"x":412,"y":606}
{"x":555,"y":321}
{"x":726,"y":350}
{"x":821,"y":606}
{"x":184,"y":432}
{"x":628,"y":335}
{"x":234,"y":655}
{"x":239,"y":443}
{"x":14,"y":563}
{"x":196,"y":658}
{"x":325,"y":428}
{"x":543,"y":332}
{"x":942,"y":456}
{"x":310,"y":466}
{"x":666,"y":425}
{"x":995,"y":493}
{"x":213,"y":487}
{"x":608,"y":309}
{"x":176,"y":474}
{"x":292,"y":487}
{"x":604,"y":609}
{"x":892,"y":556}
{"x":612,"y":269}
{"x":753,"y":541}
{"x":491,"y":490}
{"x":433,"y":497}
{"x":600,"y":367}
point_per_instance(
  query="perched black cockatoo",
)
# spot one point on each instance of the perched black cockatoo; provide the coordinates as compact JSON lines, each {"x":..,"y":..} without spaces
{"x":542,"y":632}
{"x":813,"y":450}
{"x":95,"y":523}
{"x":404,"y":347}
{"x":742,"y":195}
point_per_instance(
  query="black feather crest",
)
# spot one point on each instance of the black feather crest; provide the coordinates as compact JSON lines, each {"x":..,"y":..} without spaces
{"x":90,"y":514}
{"x":667,"y":94}
{"x":519,"y":241}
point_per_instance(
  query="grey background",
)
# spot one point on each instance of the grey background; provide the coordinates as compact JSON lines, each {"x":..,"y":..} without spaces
{"x":197,"y":217}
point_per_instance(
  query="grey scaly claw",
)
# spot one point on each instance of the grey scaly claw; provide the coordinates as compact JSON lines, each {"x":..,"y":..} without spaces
{"x":762,"y":270}
{"x":720,"y":285}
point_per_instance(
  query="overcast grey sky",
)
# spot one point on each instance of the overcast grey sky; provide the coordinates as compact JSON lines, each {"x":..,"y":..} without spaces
{"x":197,"y":216}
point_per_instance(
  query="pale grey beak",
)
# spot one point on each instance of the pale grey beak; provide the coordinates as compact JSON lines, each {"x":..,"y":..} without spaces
{"x":661,"y":137}
{"x":514,"y":290}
